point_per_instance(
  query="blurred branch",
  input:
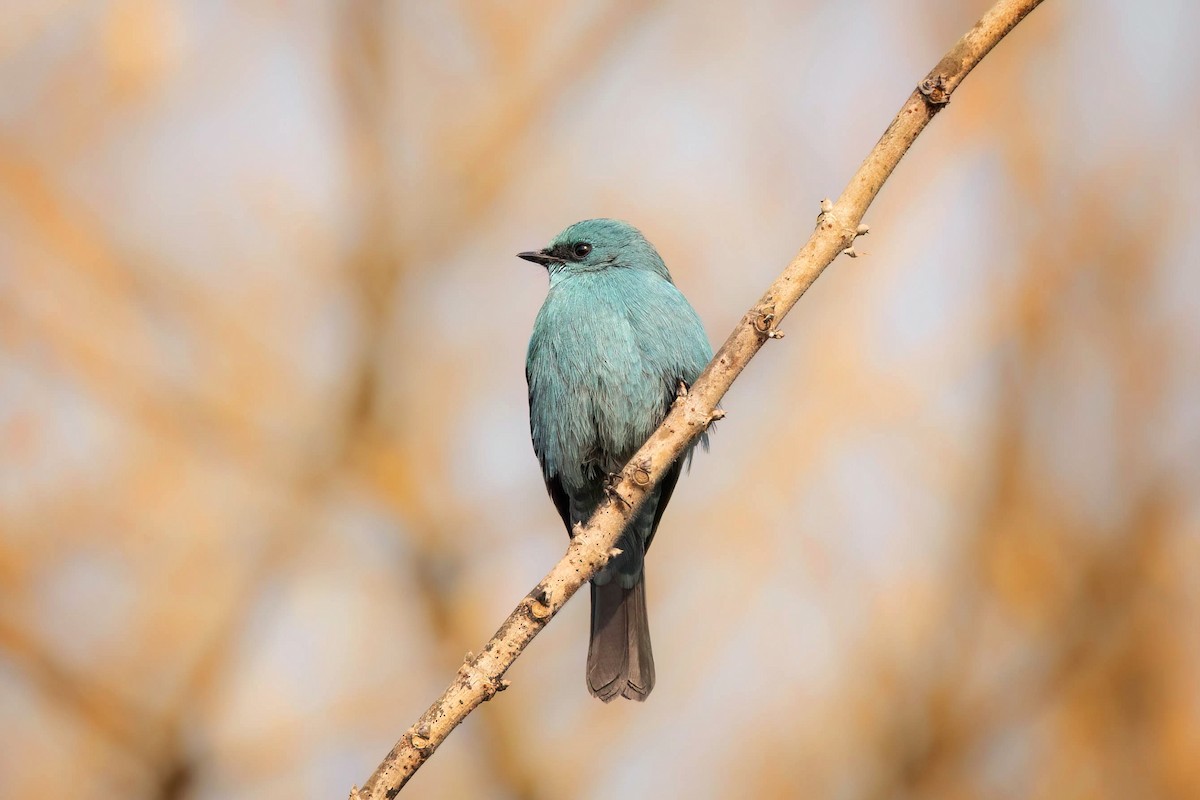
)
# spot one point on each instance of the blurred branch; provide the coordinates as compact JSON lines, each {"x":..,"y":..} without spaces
{"x":119,"y":720}
{"x":480,"y":677}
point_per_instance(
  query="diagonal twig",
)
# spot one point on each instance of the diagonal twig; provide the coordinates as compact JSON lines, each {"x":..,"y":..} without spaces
{"x":481,"y":676}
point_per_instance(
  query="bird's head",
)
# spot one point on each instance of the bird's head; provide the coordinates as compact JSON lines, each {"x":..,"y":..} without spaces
{"x":598,"y":244}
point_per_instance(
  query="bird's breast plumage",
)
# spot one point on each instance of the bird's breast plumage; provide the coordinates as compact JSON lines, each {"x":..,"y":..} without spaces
{"x":607,"y":352}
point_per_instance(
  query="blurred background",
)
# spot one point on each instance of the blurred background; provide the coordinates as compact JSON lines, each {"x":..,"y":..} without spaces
{"x":265,"y":474}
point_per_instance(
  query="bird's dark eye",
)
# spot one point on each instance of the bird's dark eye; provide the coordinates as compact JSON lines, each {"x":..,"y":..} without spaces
{"x":581,"y":249}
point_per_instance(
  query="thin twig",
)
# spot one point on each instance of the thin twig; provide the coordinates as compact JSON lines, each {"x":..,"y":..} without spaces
{"x":839,"y":224}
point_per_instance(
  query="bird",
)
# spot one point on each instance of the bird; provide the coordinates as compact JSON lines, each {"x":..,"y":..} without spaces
{"x":611,"y":346}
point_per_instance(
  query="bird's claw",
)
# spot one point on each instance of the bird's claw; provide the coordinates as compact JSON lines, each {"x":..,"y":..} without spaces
{"x":611,"y":481}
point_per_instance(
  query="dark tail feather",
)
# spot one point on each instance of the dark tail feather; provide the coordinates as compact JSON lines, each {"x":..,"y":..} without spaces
{"x":620,"y":661}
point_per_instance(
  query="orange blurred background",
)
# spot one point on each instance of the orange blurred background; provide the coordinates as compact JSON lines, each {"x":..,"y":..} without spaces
{"x":264,"y":463}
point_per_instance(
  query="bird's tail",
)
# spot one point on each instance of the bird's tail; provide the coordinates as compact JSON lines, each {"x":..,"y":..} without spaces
{"x":620,"y":661}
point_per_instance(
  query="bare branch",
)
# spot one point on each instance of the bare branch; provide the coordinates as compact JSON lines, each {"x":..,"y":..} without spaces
{"x":481,"y":676}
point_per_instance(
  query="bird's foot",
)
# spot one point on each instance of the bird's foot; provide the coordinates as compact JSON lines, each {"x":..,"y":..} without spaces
{"x":611,"y":481}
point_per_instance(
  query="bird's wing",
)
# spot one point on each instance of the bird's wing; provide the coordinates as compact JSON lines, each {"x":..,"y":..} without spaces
{"x":561,"y":501}
{"x":553,"y":485}
{"x":665,"y":489}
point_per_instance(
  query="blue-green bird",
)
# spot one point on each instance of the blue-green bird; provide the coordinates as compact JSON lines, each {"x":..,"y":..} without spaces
{"x":610,"y":346}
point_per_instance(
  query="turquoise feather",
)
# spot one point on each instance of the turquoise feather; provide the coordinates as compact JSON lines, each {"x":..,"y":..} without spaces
{"x":609,"y":348}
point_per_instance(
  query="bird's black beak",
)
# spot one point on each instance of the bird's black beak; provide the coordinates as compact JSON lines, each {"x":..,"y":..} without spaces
{"x":540,"y":257}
